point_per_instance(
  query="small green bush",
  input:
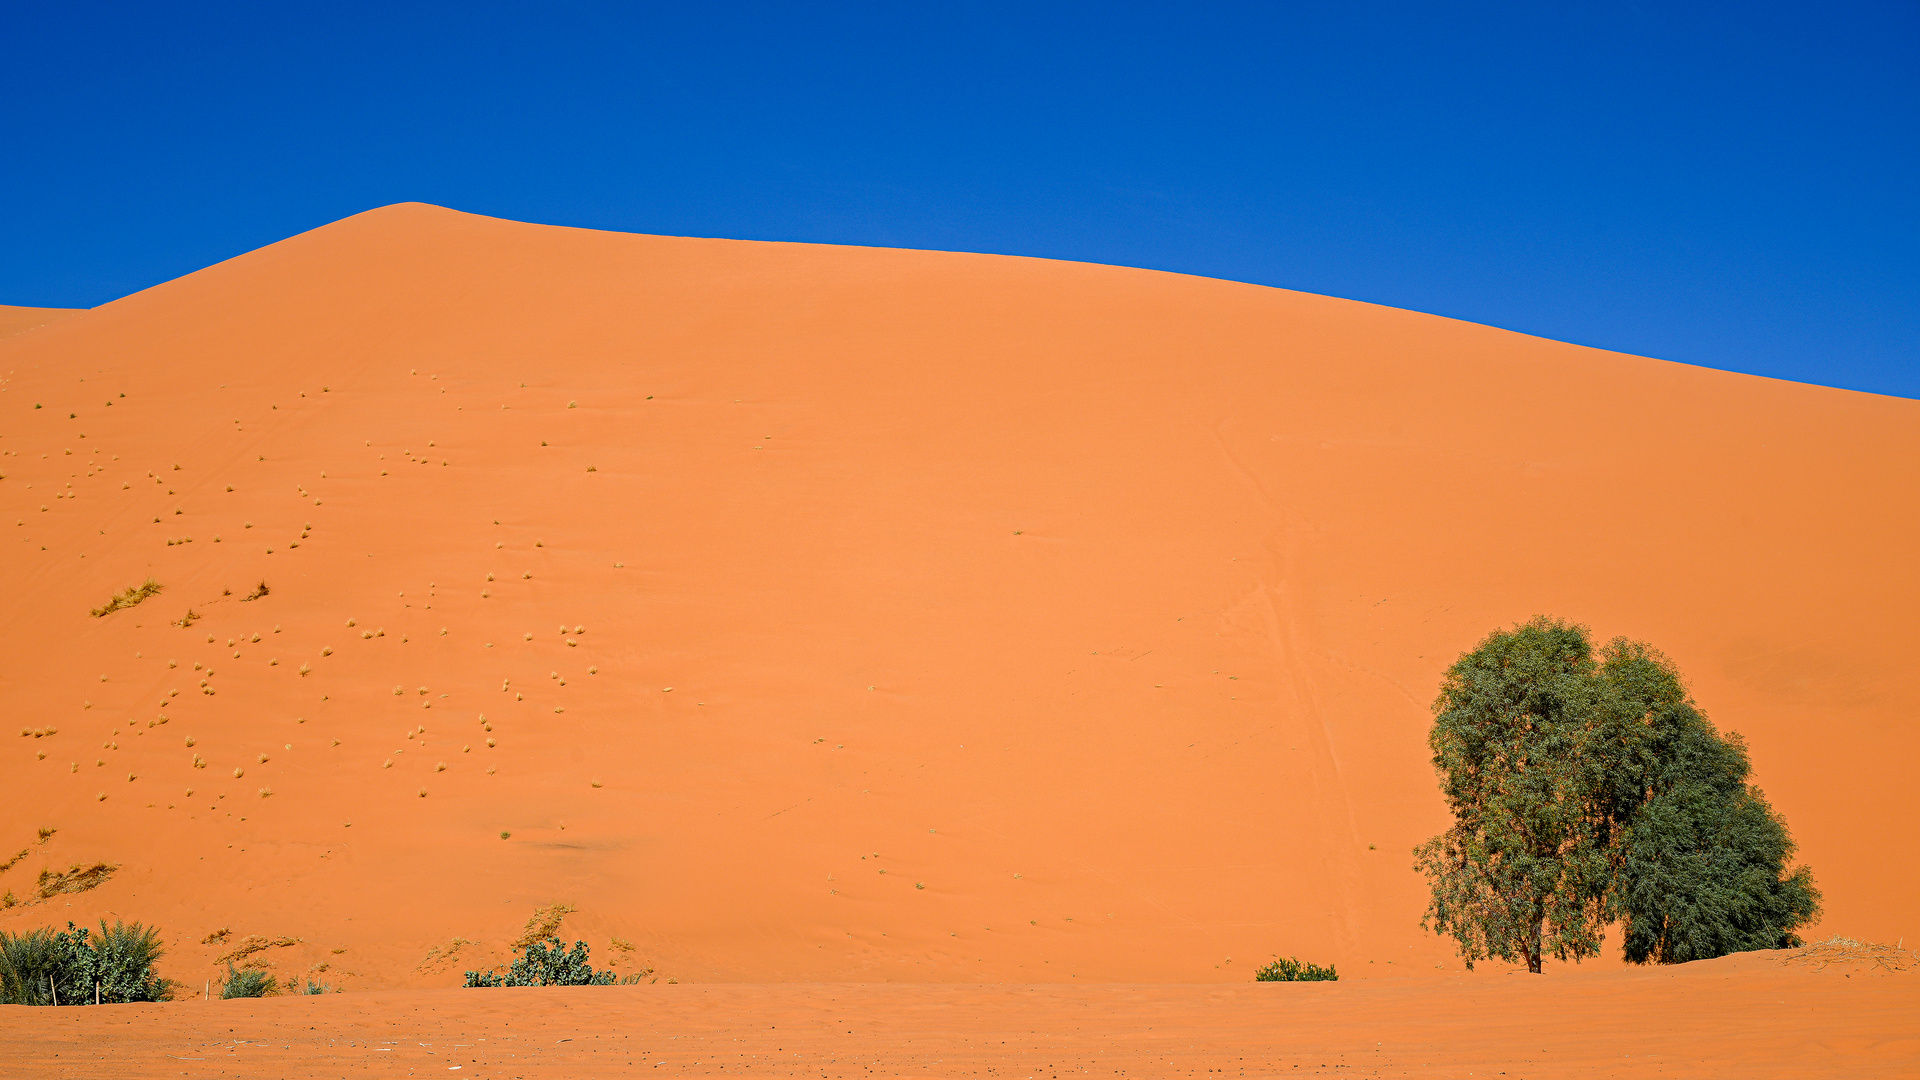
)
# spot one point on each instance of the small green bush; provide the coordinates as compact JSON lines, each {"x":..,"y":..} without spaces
{"x":1292,"y":970}
{"x":314,"y":988}
{"x":72,"y":967}
{"x":248,"y":983}
{"x":546,"y":963}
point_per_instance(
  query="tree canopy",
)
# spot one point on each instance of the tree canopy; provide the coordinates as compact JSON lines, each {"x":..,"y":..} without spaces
{"x":1588,"y":789}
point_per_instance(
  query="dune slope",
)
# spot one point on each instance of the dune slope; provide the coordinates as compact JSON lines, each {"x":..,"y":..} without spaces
{"x":15,"y":319}
{"x":803,"y":612}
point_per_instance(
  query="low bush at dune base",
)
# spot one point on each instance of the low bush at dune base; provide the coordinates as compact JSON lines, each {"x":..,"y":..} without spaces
{"x":1292,"y":970}
{"x":546,"y":963}
{"x":74,"y":967}
{"x":248,"y":983}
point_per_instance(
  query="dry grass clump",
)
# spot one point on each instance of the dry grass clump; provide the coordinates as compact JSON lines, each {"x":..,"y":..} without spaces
{"x":75,"y":879}
{"x":38,"y":732}
{"x":542,"y":925}
{"x":128,"y":597}
{"x":1845,"y":950}
{"x":10,"y":863}
{"x":254,"y":943}
{"x":441,"y":955}
{"x":218,"y":937}
{"x":259,"y":591}
{"x":186,"y":620}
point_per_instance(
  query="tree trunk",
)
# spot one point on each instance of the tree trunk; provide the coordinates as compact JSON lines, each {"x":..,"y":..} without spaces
{"x":1533,"y":944}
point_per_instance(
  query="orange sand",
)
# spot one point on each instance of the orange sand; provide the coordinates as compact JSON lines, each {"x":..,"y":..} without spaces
{"x":893,"y":615}
{"x":15,"y":319}
{"x":1741,"y":1016}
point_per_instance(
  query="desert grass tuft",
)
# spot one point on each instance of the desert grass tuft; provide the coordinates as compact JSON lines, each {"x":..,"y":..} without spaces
{"x":77,"y":878}
{"x":1845,"y":950}
{"x":254,"y":943}
{"x":542,"y":925}
{"x":128,"y":597}
{"x":440,"y":955}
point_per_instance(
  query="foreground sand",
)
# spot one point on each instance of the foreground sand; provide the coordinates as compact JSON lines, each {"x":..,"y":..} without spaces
{"x":831,"y":614}
{"x":1745,"y":1016}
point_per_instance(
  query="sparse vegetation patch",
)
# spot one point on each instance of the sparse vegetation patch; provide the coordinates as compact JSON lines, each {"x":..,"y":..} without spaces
{"x":1289,"y":969}
{"x":77,"y":878}
{"x":128,"y":597}
{"x":1846,"y":951}
{"x":441,"y":955}
{"x":542,"y":925}
{"x":251,"y":944}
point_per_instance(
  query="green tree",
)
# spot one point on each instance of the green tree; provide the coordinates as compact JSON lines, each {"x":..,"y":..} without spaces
{"x":1586,"y":790}
{"x":1524,"y":871}
{"x":1702,"y":866}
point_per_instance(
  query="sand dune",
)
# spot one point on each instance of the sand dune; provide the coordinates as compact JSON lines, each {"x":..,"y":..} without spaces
{"x":818,"y":613}
{"x":15,"y":319}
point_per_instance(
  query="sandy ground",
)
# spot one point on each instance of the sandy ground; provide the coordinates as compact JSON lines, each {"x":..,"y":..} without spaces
{"x":1739,"y":1016}
{"x":813,"y":614}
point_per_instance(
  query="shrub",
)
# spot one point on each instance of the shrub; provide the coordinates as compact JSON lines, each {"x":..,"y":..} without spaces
{"x":546,"y":963}
{"x":1292,"y":970}
{"x":248,"y":983}
{"x":314,"y":988}
{"x":123,"y":963}
{"x":41,"y":967}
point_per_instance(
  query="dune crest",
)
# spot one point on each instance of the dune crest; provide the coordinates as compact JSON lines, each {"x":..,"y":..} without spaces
{"x":821,"y":613}
{"x":15,"y":319}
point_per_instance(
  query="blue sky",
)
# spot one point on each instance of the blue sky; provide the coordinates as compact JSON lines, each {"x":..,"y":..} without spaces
{"x":1728,"y":185}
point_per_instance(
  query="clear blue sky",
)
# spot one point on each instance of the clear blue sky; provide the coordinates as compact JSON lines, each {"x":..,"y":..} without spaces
{"x":1732,"y":185}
